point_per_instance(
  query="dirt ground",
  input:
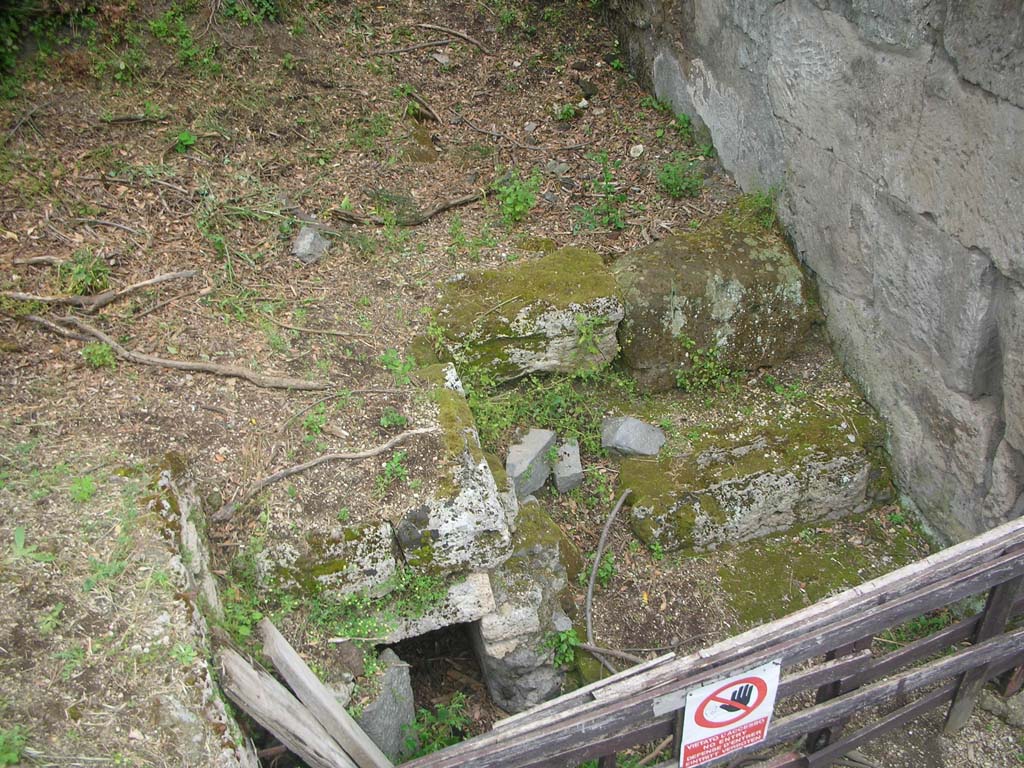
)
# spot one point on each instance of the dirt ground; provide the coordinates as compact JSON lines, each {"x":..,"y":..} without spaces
{"x":163,"y":138}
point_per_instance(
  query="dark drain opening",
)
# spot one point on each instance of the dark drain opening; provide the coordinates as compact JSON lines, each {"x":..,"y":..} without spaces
{"x":443,"y":663}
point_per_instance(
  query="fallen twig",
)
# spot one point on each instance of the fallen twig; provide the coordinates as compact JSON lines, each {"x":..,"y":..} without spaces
{"x":120,"y":119}
{"x":52,"y":326}
{"x":506,"y":137}
{"x":416,"y":47}
{"x":105,"y":223}
{"x":593,"y":577}
{"x":458,"y":34}
{"x":662,"y":746}
{"x":226,"y":512}
{"x":196,"y":366}
{"x":100,"y":300}
{"x":426,"y":107}
{"x":419,"y":217}
{"x":51,"y":261}
{"x":589,"y":648}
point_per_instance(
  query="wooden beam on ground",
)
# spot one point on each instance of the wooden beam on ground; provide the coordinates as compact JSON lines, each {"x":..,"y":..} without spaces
{"x":270,"y":704}
{"x":320,"y":701}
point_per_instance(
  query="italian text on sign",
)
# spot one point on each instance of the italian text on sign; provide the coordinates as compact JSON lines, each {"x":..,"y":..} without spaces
{"x":728,"y":715}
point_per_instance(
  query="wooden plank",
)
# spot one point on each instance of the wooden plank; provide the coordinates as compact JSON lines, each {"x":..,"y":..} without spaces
{"x":997,"y":611}
{"x":825,"y":736}
{"x":999,"y":651}
{"x":827,"y":672}
{"x":586,"y":693}
{"x":320,"y":701}
{"x":617,"y":713}
{"x":902,"y":716}
{"x":270,"y":704}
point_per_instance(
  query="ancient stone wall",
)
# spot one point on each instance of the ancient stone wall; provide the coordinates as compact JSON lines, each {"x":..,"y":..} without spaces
{"x":895,"y":131}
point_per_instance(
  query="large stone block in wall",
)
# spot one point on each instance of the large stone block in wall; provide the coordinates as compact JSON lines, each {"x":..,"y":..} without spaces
{"x":731,"y":291}
{"x":510,"y":641}
{"x":556,"y":313}
{"x":742,"y":483}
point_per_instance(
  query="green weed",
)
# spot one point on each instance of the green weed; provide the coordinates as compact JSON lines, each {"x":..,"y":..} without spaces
{"x":314,"y":422}
{"x":99,"y":355}
{"x":608,"y":212}
{"x":50,"y":620}
{"x":436,"y":729}
{"x":517,"y":197}
{"x":84,"y":274}
{"x":681,"y":178}
{"x":19,"y":550}
{"x":172,"y":29}
{"x":392,"y":418}
{"x":184,"y":653}
{"x":184,"y":141}
{"x":102,"y":572}
{"x":759,"y":206}
{"x":12,"y":744}
{"x":606,"y":570}
{"x":82,"y":489}
{"x":74,"y":660}
{"x":398,"y":366}
{"x":564,"y":645}
{"x":566,"y":112}
{"x":395,"y":471}
{"x":706,"y":371}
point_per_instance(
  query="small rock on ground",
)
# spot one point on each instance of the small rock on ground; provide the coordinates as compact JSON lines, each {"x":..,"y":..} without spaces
{"x":309,"y":245}
{"x":385,"y":719}
{"x":631,"y":437}
{"x":568,"y":468}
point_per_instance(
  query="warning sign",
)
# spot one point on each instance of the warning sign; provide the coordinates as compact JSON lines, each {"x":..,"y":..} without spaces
{"x":728,"y":715}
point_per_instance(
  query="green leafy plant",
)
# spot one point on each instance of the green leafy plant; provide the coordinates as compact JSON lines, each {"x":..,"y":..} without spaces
{"x":681,"y":178}
{"x":791,"y":392}
{"x":656,"y":549}
{"x":608,"y":211}
{"x":398,"y":366}
{"x":759,"y":206}
{"x":517,"y":197}
{"x":706,"y":371}
{"x":683,"y":126}
{"x":314,"y":422}
{"x":19,"y":550}
{"x":395,"y":471}
{"x":50,"y":620}
{"x":566,"y":112}
{"x":99,"y":355}
{"x":12,"y":745}
{"x":73,"y":658}
{"x":438,"y":728}
{"x":564,"y":645}
{"x":184,"y":653}
{"x":392,"y":418}
{"x":84,"y":274}
{"x":172,"y":29}
{"x":184,"y":141}
{"x":606,"y":570}
{"x":101,"y":572}
{"x":82,"y":489}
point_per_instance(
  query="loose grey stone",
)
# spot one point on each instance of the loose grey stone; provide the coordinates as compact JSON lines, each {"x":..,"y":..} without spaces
{"x":527,"y":464}
{"x":568,"y":468}
{"x":631,"y":437}
{"x":530,"y":127}
{"x":309,"y":245}
{"x":385,"y":718}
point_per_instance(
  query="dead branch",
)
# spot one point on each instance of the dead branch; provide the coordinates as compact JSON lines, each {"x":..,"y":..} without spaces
{"x":416,"y":47}
{"x":195,"y":366}
{"x":226,"y":512}
{"x":51,"y":261}
{"x":105,"y":223}
{"x":588,"y":604}
{"x":426,"y":107}
{"x":589,"y":648}
{"x":498,"y":135}
{"x":52,"y":326}
{"x":419,"y":217}
{"x":129,"y":119}
{"x":100,"y":300}
{"x":458,"y":34}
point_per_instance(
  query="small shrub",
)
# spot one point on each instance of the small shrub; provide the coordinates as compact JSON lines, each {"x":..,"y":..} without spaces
{"x":85,"y":274}
{"x":82,"y":489}
{"x":517,"y":197}
{"x":606,"y":570}
{"x":395,"y":470}
{"x":566,"y":112}
{"x":98,"y":355}
{"x":681,"y":178}
{"x":12,"y":744}
{"x":399,"y":367}
{"x":392,"y":418}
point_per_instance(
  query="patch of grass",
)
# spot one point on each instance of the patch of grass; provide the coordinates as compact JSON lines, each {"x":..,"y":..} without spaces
{"x":102,"y":572}
{"x":392,"y":418}
{"x":683,"y":126}
{"x":314,"y":422}
{"x":681,"y":178}
{"x":759,"y":206}
{"x":50,"y":620}
{"x":85,"y":274}
{"x":438,"y":728}
{"x":566,"y":113}
{"x":74,"y":660}
{"x":251,"y":11}
{"x":172,"y":29}
{"x":517,"y":197}
{"x":790,"y":392}
{"x":99,"y":355}
{"x":364,"y":132}
{"x":920,"y":627}
{"x":184,"y":653}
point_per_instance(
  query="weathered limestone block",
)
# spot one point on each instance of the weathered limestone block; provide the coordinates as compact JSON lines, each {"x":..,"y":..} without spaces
{"x":627,"y":436}
{"x":569,"y":467}
{"x":465,"y":523}
{"x":741,"y":484}
{"x":556,"y":313}
{"x":467,"y":600}
{"x":510,"y":641}
{"x":528,"y":464}
{"x":352,"y":559}
{"x":731,"y":287}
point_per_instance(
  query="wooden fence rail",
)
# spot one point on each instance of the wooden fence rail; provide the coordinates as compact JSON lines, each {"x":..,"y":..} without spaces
{"x":828,"y":650}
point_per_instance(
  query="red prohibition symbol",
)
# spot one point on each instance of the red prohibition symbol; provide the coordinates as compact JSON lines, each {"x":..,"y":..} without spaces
{"x":742,"y":705}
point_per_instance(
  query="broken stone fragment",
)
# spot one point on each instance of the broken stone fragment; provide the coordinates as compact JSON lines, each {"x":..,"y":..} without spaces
{"x":730,"y":294}
{"x":568,"y":468}
{"x":467,"y":600}
{"x":631,"y":437}
{"x":528,"y":464}
{"x":387,"y":718}
{"x":309,"y":245}
{"x":556,"y":313}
